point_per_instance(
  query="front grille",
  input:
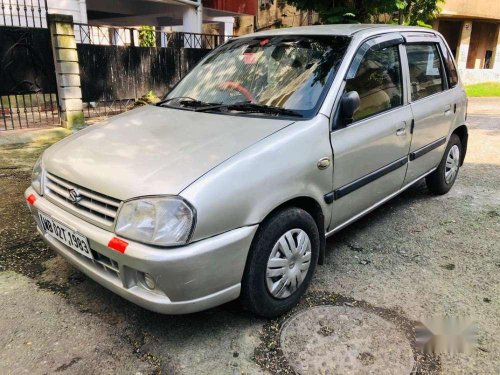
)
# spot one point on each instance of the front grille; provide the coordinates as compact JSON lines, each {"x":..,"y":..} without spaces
{"x":95,"y":206}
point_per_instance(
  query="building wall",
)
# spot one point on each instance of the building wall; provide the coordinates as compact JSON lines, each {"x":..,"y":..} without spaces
{"x":483,"y":45}
{"x":451,"y":31}
{"x":236,"y":6}
{"x":271,"y":11}
{"x":35,"y":11}
{"x":472,"y":29}
{"x":487,"y":9}
{"x":75,"y":8}
{"x":288,"y":15}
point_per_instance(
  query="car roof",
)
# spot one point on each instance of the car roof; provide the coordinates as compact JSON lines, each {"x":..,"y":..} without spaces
{"x":339,"y":29}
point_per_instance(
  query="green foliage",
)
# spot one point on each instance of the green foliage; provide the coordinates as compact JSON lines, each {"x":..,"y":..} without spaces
{"x":147,"y":36}
{"x":149,"y":98}
{"x":419,"y":11}
{"x":483,"y":89}
{"x":404,"y":12}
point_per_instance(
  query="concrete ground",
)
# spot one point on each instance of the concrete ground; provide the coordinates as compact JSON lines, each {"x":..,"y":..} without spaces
{"x":418,"y":255}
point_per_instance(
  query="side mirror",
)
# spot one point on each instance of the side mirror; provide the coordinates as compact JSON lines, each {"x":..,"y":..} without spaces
{"x":350,"y":103}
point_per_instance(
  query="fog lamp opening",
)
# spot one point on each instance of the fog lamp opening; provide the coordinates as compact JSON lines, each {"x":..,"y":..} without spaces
{"x":148,"y":281}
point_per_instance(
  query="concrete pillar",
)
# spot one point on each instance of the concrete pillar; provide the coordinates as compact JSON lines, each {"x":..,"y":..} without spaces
{"x":67,"y":69}
{"x":192,"y":19}
{"x":163,"y":36}
{"x":226,"y":25}
{"x":463,"y":44}
{"x":495,"y":59}
{"x":83,"y":11}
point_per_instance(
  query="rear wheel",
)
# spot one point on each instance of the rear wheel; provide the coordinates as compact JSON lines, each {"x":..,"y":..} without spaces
{"x":442,"y":179}
{"x":281,"y":262}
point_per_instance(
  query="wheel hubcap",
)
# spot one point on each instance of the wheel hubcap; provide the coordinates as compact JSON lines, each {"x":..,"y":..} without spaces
{"x":288,"y":263}
{"x":452,"y":164}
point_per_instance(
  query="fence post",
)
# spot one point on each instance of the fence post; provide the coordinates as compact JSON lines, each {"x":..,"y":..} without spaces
{"x":69,"y":90}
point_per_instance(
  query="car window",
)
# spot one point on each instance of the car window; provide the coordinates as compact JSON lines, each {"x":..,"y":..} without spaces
{"x":426,"y":72}
{"x":288,"y":71}
{"x":451,"y":70}
{"x":377,"y":81}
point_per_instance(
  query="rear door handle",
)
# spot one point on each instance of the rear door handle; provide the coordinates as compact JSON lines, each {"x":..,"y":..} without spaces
{"x":447,"y":109}
{"x":402,"y":129}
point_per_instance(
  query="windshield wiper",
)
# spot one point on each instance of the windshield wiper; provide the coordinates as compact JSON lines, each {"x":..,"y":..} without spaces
{"x":187,"y":101}
{"x":251,"y":108}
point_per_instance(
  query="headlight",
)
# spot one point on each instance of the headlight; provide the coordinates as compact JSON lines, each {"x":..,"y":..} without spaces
{"x":161,"y":221}
{"x":37,"y":176}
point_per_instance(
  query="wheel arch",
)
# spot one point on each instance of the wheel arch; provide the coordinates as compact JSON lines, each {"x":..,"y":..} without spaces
{"x":313,"y":208}
{"x":462,"y":133}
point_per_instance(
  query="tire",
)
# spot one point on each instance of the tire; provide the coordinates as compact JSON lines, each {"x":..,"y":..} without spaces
{"x":273,"y":296}
{"x":440,"y":181}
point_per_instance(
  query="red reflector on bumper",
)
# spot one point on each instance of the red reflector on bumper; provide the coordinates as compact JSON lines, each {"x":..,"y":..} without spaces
{"x":31,"y":199}
{"x":117,"y":244}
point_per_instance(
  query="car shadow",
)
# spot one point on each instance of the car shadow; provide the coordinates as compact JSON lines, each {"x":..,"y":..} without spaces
{"x":415,"y":193}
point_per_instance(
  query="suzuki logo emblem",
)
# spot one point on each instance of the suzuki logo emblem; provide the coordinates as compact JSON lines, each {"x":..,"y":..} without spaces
{"x":74,"y":196}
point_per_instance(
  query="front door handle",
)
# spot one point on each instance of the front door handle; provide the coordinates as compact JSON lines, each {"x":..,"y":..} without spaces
{"x":401,"y":130}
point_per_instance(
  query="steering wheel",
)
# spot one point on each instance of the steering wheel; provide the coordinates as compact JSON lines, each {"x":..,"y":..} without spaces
{"x":238,"y":87}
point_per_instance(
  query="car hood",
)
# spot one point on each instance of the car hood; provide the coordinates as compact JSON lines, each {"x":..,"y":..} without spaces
{"x":153,"y":150}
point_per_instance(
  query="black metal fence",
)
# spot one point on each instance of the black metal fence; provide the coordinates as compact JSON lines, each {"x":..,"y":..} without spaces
{"x":117,"y":65}
{"x":120,"y":65}
{"x":28,"y":91}
{"x":32,"y":110}
{"x":145,"y":37}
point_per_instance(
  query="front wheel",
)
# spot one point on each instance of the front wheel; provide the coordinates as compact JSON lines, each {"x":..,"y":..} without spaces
{"x":281,"y":262}
{"x":442,"y":179}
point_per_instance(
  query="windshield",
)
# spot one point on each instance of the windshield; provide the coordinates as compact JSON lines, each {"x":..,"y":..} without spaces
{"x":288,"y":72}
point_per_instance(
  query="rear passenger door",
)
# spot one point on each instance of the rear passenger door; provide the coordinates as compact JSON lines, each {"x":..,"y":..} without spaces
{"x":371,"y":153}
{"x":433,"y":105}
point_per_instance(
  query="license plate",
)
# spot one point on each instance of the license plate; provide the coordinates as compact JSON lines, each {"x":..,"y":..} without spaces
{"x":65,"y":235}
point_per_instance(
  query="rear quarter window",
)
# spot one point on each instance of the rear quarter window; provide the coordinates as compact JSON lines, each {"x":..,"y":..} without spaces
{"x":451,"y":69}
{"x":426,"y":73}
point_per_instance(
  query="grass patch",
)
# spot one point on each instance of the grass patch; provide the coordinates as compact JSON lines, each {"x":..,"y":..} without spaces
{"x":483,"y":89}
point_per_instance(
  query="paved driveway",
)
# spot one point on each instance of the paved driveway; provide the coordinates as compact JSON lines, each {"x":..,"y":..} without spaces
{"x":417,"y":255}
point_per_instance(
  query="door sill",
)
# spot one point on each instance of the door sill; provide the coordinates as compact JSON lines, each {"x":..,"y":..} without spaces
{"x":374,"y":206}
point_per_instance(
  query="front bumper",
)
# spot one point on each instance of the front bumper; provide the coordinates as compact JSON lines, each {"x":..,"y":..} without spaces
{"x":191,"y":278}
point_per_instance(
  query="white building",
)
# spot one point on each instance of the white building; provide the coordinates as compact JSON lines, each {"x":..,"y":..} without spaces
{"x":177,"y":15}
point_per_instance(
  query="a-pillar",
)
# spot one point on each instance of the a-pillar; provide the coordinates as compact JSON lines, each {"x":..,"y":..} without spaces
{"x":67,"y":69}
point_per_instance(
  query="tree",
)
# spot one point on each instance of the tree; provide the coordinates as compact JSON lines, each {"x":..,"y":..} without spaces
{"x":147,"y":37}
{"x":404,"y":12}
{"x":417,"y":12}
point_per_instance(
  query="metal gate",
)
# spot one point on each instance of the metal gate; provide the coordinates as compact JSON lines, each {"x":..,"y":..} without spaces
{"x":28,"y":90}
{"x":117,"y":66}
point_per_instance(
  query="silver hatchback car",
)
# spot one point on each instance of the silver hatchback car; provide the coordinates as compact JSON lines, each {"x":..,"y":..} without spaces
{"x":229,"y":186}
